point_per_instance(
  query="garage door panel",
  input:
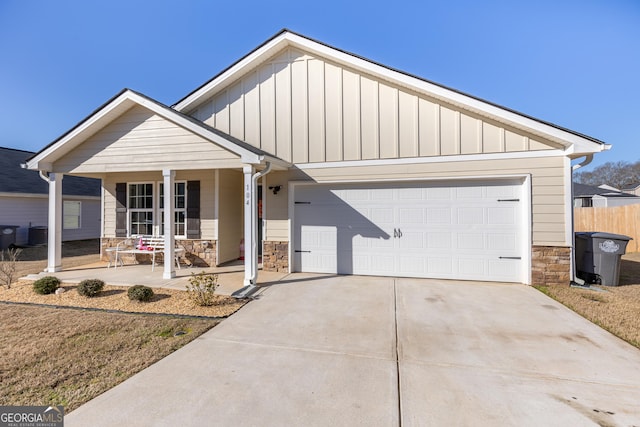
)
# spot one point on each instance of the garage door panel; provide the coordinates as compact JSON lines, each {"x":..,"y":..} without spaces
{"x":470,"y":215}
{"x":502,"y":242}
{"x":473,"y":241}
{"x":439,"y":266}
{"x":441,"y":215}
{"x":438,"y":193}
{"x":440,"y":230}
{"x":439,"y":240}
{"x":502,"y":215}
{"x":471,"y":267}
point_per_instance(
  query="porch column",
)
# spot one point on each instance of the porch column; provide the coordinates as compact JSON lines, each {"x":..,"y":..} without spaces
{"x":54,"y":247}
{"x":168,"y":176}
{"x":250,"y":262}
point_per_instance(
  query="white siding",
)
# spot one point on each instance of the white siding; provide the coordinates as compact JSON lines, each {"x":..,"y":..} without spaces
{"x":548,"y":198}
{"x":140,"y":140}
{"x":34,"y":211}
{"x":304,"y":109}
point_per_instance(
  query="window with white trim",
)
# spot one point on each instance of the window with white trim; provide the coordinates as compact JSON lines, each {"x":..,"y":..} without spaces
{"x":140,"y":208}
{"x":179,"y":211}
{"x":71,"y":212}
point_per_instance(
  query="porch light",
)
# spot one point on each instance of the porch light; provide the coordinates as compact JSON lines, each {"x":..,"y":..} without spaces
{"x":275,"y":188}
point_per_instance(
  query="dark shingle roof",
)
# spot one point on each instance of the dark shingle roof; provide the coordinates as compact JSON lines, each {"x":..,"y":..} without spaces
{"x":583,"y":190}
{"x":15,"y":179}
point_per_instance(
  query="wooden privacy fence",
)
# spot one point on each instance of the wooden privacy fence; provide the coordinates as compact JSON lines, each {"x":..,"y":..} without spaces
{"x":619,"y":220}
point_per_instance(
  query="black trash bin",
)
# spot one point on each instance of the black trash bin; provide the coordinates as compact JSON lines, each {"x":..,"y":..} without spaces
{"x":7,"y":236}
{"x":598,"y":257}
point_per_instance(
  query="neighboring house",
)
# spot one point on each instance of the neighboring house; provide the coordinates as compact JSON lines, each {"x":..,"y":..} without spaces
{"x":364,"y":169}
{"x":588,"y":196}
{"x":633,"y":190}
{"x":24,"y":194}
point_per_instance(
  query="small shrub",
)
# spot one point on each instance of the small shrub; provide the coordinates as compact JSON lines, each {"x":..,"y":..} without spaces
{"x":140,"y":293}
{"x":201,"y":289}
{"x":8,"y":266}
{"x":46,"y":285}
{"x":90,"y":287}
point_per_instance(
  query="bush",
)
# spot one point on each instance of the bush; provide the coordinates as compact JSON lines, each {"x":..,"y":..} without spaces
{"x":201,"y":288}
{"x":46,"y":285}
{"x":140,"y":293}
{"x":90,"y":287}
{"x":8,"y":266}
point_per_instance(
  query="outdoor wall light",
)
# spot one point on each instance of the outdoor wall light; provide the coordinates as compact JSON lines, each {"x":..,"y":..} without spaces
{"x":275,"y":188}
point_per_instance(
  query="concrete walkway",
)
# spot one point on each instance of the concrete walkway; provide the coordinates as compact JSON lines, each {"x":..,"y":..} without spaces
{"x":318,"y":351}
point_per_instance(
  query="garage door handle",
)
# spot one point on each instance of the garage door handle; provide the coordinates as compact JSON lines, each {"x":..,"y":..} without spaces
{"x":508,"y":200}
{"x":510,"y":257}
{"x":304,"y":252}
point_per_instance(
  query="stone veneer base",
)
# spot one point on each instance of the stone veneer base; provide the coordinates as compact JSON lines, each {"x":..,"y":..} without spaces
{"x":201,"y":253}
{"x":275,"y":256}
{"x":551,"y":265}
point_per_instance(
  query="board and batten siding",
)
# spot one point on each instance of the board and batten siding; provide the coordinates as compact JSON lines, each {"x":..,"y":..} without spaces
{"x":140,"y":140}
{"x":547,"y":192}
{"x":208,"y":219}
{"x":306,"y":109}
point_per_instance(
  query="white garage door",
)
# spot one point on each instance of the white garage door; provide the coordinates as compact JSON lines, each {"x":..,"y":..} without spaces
{"x":467,"y":230}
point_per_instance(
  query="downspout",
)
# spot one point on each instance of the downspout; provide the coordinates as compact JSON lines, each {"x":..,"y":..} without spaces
{"x":254,"y":246}
{"x":250,"y":288}
{"x":574,"y":278}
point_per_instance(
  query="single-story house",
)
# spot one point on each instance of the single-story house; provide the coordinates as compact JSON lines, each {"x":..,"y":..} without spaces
{"x":364,"y":170}
{"x":632,"y":190}
{"x":590,"y":196}
{"x":23,"y":201}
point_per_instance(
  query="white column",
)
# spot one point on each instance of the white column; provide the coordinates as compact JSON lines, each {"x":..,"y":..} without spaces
{"x":249,"y":238}
{"x":168,"y":176}
{"x":54,"y":253}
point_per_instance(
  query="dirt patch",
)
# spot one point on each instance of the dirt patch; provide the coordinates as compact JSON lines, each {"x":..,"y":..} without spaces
{"x":616,"y":309}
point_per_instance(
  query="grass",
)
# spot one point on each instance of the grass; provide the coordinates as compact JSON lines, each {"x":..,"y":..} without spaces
{"x":57,"y":356}
{"x":617,"y":309}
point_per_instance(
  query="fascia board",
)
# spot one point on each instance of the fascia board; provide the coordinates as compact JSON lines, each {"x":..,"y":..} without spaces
{"x":246,"y":63}
{"x":44,"y":160}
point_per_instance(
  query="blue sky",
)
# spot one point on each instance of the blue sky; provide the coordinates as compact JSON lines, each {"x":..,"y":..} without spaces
{"x":575,"y":63}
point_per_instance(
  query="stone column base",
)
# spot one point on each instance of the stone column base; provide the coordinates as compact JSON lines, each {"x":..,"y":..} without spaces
{"x":551,"y":266}
{"x":275,"y":256}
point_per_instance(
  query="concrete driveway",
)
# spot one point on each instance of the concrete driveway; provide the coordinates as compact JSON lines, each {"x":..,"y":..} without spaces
{"x":318,"y":351}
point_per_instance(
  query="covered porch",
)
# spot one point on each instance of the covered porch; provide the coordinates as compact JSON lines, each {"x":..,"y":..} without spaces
{"x":163,"y":174}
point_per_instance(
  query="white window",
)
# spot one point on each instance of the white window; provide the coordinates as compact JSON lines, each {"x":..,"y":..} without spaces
{"x":146,"y":209}
{"x":180,"y":209}
{"x":71,"y":212}
{"x":140,"y":204}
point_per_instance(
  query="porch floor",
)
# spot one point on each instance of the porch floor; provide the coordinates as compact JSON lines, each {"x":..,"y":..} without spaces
{"x":230,"y":276}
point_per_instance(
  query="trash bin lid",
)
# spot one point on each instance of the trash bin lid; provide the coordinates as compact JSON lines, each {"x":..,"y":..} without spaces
{"x":602,"y":235}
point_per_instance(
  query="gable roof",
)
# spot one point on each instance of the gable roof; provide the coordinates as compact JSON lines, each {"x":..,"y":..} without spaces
{"x":15,"y":179}
{"x":122,"y":102}
{"x":577,"y":144}
{"x":583,"y":190}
